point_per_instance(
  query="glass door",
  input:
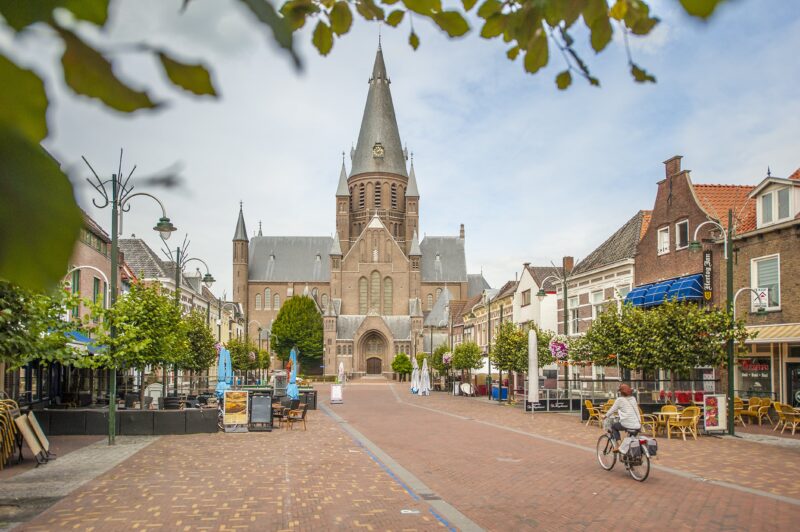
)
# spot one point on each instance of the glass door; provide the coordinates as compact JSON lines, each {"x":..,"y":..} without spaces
{"x":793,"y":384}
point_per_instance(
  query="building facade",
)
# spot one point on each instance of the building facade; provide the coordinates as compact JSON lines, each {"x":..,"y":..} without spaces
{"x":374,"y":281}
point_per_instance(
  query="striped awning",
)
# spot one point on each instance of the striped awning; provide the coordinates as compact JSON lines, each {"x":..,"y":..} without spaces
{"x":767,"y":334}
{"x":687,"y":288}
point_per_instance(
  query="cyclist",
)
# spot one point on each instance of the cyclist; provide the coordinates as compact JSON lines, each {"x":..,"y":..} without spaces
{"x":628,"y":410}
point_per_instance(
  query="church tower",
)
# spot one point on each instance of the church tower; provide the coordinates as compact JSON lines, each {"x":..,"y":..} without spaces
{"x":343,"y":207}
{"x":412,"y":207}
{"x":241,"y":252}
{"x":378,"y":180}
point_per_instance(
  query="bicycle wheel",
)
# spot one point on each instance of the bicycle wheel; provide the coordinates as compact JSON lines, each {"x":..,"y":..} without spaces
{"x":605,"y":454}
{"x":641,"y":470}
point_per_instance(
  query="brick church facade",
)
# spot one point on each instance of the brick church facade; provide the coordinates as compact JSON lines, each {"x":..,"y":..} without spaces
{"x":374,"y":281}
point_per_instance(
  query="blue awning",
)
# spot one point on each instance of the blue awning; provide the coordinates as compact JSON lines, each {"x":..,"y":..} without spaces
{"x":80,"y":338}
{"x":689,"y":288}
{"x":636,"y":296}
{"x":657,"y":293}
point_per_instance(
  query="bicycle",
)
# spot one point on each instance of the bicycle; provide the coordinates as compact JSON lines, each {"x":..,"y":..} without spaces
{"x":637,"y":464}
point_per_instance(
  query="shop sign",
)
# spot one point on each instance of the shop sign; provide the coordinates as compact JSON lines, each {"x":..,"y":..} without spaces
{"x":715,"y":413}
{"x":754,"y":369}
{"x":708,"y":291}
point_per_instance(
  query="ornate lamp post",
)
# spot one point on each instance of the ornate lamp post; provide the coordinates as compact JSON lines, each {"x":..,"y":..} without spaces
{"x":120,"y":193}
{"x":541,"y":294}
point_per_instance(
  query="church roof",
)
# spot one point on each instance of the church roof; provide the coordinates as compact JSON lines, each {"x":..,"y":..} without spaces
{"x":290,"y":258}
{"x":412,"y":191}
{"x":346,"y":326}
{"x":415,"y":245}
{"x":241,"y":230}
{"x":440,"y":313}
{"x":342,"y":189}
{"x":443,"y":259}
{"x":476,"y":284}
{"x":379,"y":126}
{"x":336,"y":247}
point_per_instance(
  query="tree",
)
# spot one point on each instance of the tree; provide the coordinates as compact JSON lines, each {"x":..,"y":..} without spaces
{"x":510,"y":350}
{"x":467,"y":356}
{"x":437,"y":358}
{"x":202,"y":351}
{"x":298,"y":324}
{"x":36,"y":258}
{"x":401,"y":365}
{"x":33,"y":329}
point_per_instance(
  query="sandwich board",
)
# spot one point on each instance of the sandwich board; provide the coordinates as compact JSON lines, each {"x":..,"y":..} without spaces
{"x":336,"y":394}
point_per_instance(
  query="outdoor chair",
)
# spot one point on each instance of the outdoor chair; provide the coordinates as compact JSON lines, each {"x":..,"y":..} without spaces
{"x":685,"y":422}
{"x":607,"y":406}
{"x":791,"y":418}
{"x":296,"y":416}
{"x":781,"y":417}
{"x":649,"y":422}
{"x":738,"y":408}
{"x":663,"y":420}
{"x":751,"y":412}
{"x":594,"y":413}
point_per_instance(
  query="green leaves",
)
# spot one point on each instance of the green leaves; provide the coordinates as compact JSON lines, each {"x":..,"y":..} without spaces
{"x":281,"y":31}
{"x":601,"y":33}
{"x":341,"y":18}
{"x":494,"y":26}
{"x":299,"y":324}
{"x":22,"y":13}
{"x":369,"y":10}
{"x":401,"y":364}
{"x":413,"y":40}
{"x":700,"y":8}
{"x":193,"y":78}
{"x":467,"y":356}
{"x":563,"y":80}
{"x":23,"y":102}
{"x":89,"y":73}
{"x":468,"y":4}
{"x":424,"y":7}
{"x":641,"y":76}
{"x":323,"y":38}
{"x":395,"y":18}
{"x":537,"y":54}
{"x":451,"y":22}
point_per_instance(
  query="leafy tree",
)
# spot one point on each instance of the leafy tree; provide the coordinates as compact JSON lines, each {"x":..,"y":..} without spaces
{"x":533,"y":28}
{"x":244,"y":354}
{"x":33,"y":329}
{"x":202,"y":351}
{"x":299,"y":324}
{"x":437,"y":358}
{"x":467,"y":356}
{"x":401,"y":365}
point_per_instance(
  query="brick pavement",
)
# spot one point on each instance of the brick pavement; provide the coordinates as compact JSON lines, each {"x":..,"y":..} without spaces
{"x":320,"y":479}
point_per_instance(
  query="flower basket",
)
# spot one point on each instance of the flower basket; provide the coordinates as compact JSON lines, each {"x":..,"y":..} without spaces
{"x":558,"y":348}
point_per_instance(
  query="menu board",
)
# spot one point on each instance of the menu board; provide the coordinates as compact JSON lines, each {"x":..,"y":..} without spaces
{"x":715,"y":413}
{"x":235,"y":412}
{"x":336,"y":394}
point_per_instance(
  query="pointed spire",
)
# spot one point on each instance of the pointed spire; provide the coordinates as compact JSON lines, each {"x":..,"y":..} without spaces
{"x":336,"y":247}
{"x":259,"y":229}
{"x":241,"y":230}
{"x":769,"y":172}
{"x":412,"y":191}
{"x":415,"y":249}
{"x":342,"y":189}
{"x":379,"y":148}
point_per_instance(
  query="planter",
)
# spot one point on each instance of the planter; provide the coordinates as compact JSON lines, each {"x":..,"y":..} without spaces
{"x":170,"y":422}
{"x":136,"y":422}
{"x":201,"y":421}
{"x":97,"y":422}
{"x":67,"y":422}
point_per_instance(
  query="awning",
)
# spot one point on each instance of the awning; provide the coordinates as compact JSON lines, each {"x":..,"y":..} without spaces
{"x":84,"y":341}
{"x":687,"y":288}
{"x":789,"y":332}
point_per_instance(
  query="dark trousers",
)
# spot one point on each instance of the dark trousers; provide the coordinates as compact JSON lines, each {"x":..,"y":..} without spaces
{"x":615,"y":428}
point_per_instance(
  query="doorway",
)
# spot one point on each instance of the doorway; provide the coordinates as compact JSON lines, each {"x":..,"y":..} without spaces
{"x":793,"y":384}
{"x":374,"y":366}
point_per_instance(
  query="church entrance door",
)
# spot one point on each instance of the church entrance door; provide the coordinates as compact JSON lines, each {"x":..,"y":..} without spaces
{"x":374,"y":366}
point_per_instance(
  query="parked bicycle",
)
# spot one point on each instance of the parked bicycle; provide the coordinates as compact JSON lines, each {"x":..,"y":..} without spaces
{"x":635,"y":452}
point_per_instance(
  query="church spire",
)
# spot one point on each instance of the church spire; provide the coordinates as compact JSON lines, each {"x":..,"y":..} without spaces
{"x":379,"y":148}
{"x":342,"y":189}
{"x":241,"y":230}
{"x":412,"y":191}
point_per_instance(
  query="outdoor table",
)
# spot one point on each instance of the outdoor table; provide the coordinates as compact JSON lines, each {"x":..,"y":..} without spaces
{"x":663,"y":415}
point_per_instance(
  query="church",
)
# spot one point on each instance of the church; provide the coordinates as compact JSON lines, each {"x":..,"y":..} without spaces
{"x":376,"y":284}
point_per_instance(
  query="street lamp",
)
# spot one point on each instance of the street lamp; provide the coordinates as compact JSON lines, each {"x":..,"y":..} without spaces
{"x":117,"y":198}
{"x":695,"y":246}
{"x":103,"y":275}
{"x":488,"y":302}
{"x":541,"y":294}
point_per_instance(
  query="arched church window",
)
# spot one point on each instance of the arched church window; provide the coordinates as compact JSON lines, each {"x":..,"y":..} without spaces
{"x":375,"y":255}
{"x":387,"y":296}
{"x":378,"y":196}
{"x":267,"y":299}
{"x":388,"y":250}
{"x":362,"y":295}
{"x":258,"y":301}
{"x":430,"y":301}
{"x":438,"y":293}
{"x":314,"y":294}
{"x":276,"y":304}
{"x":324,"y":301}
{"x":375,"y":291}
{"x":361,"y":196}
{"x":394,"y":196}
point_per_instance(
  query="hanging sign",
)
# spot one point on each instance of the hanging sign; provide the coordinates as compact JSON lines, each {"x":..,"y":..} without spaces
{"x":708,"y":291}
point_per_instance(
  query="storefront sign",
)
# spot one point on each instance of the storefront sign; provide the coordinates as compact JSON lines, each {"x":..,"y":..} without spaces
{"x":336,"y":394}
{"x":708,"y":291}
{"x":235,"y":410}
{"x":715,"y":413}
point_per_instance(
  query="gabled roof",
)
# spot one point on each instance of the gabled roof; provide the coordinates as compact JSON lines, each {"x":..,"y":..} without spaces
{"x":467,"y":308}
{"x":241,"y":230}
{"x":95,"y":228}
{"x":619,"y":246}
{"x":443,"y":259}
{"x":795,"y":175}
{"x":142,"y":260}
{"x":540,"y":273}
{"x":476,"y":284}
{"x":440,"y":313}
{"x":716,"y":200}
{"x":290,"y":258}
{"x":506,"y":290}
{"x":336,"y":248}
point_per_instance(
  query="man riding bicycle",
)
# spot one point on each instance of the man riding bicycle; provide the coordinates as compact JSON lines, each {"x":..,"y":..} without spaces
{"x":627,"y":409}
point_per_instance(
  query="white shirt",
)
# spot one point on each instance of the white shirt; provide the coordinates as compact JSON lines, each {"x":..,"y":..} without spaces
{"x":628,"y":410}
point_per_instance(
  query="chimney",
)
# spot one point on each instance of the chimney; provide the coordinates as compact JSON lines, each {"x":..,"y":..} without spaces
{"x":568,"y":263}
{"x":672,"y":165}
{"x":526,"y":264}
{"x":461,"y":232}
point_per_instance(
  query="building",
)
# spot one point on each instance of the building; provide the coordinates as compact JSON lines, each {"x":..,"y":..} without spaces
{"x":374,"y":281}
{"x":90,"y":265}
{"x":528,"y":306}
{"x":767,"y":260}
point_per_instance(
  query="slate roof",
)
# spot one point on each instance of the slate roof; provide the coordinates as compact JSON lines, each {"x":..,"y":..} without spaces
{"x":438,"y":339}
{"x":142,"y":260}
{"x":443,"y":259}
{"x":379,"y":125}
{"x":241,"y":230}
{"x":507,"y":289}
{"x":95,"y":228}
{"x":290,"y":258}
{"x":716,"y":200}
{"x":412,"y":191}
{"x":346,"y":326}
{"x":439,"y":314}
{"x":415,"y":307}
{"x":540,"y":273}
{"x":342,"y":189}
{"x":476,"y":284}
{"x":466,"y":308}
{"x":619,"y":246}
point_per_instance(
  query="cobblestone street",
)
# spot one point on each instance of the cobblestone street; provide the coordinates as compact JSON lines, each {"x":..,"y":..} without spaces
{"x":387,"y":460}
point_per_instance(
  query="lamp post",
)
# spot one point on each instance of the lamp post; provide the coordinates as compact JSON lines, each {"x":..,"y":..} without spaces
{"x":181,"y":260}
{"x":541,"y":294}
{"x":117,"y":198}
{"x":488,"y":302}
{"x":103,"y":275}
{"x":220,"y":307}
{"x":695,"y":246}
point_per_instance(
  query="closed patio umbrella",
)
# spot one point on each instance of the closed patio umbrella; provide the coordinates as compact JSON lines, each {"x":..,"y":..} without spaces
{"x":291,"y":390}
{"x":341,"y":372}
{"x":414,"y":375}
{"x":425,"y":379}
{"x":224,"y":372}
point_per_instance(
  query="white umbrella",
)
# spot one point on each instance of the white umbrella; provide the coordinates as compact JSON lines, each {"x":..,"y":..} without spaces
{"x":414,"y":375}
{"x":341,"y":372}
{"x":425,"y":379}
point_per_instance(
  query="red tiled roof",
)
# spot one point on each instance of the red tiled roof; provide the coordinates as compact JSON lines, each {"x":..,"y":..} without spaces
{"x":795,"y":175}
{"x":716,"y":200}
{"x":646,"y":217}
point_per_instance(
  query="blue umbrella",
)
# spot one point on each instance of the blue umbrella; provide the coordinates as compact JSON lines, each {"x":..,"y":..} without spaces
{"x":291,"y":390}
{"x":224,"y":372}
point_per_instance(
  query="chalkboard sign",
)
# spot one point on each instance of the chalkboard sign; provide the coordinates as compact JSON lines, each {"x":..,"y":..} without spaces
{"x":261,"y":411}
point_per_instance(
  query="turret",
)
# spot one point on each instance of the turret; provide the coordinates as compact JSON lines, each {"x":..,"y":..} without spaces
{"x":241,"y":258}
{"x":343,"y":209}
{"x":412,"y":206}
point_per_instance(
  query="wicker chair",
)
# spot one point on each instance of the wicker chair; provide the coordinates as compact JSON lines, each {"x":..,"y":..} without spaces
{"x":738,"y":409}
{"x":649,"y":422}
{"x":594,"y":413}
{"x":781,"y":418}
{"x":685,"y":422}
{"x":662,"y":422}
{"x":791,"y":418}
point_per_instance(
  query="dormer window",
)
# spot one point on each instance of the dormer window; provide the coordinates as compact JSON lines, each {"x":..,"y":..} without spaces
{"x":775,"y":206}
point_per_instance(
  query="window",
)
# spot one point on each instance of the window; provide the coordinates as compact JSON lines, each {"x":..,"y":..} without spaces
{"x":526,"y":297}
{"x":438,"y":293}
{"x":623,"y":290}
{"x":95,"y":290}
{"x":663,"y":240}
{"x":314,"y":294}
{"x":394,"y":196}
{"x":775,"y":206}
{"x":572,"y":308}
{"x":682,"y":234}
{"x":783,"y":203}
{"x":258,"y":301}
{"x":766,"y":208}
{"x":375,"y":291}
{"x":324,"y":301}
{"x":430,"y":301}
{"x":766,"y":273}
{"x":361,"y":196}
{"x":276,"y":302}
{"x":375,"y":255}
{"x":362,"y":295}
{"x":597,"y":298}
{"x":76,"y":289}
{"x":267,"y":299}
{"x":387,"y":296}
{"x":378,"y":196}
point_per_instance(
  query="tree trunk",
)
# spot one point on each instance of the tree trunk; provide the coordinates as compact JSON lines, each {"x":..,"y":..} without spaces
{"x":141,"y":389}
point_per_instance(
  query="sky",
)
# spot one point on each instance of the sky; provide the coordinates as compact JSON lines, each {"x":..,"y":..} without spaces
{"x":534,"y":173}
